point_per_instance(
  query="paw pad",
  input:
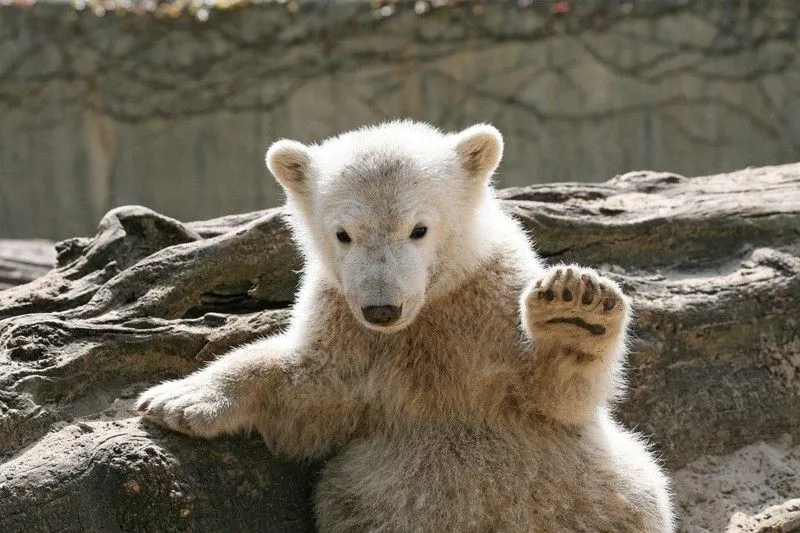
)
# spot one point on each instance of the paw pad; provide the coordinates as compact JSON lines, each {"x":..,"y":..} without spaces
{"x":578,"y":297}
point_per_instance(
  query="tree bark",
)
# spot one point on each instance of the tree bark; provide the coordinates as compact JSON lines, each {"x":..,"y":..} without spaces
{"x":712,"y":263}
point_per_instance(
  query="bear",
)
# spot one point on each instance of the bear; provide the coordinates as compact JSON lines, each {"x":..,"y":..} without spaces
{"x":449,"y":379}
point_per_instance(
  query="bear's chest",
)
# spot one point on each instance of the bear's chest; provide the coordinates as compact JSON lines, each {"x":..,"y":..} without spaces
{"x":460,"y":368}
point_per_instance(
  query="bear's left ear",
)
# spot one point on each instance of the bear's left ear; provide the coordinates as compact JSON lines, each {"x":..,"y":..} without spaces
{"x":289,"y":161}
{"x":480,"y":148}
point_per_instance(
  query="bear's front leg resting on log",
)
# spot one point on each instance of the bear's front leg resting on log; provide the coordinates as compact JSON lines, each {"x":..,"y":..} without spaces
{"x":291,"y":398}
{"x":577,"y":320}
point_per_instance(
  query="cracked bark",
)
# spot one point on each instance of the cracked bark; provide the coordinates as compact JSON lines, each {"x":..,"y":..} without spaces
{"x":712,"y":263}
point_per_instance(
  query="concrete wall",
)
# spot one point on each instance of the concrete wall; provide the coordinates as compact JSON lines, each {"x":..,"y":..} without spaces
{"x":176,"y":114}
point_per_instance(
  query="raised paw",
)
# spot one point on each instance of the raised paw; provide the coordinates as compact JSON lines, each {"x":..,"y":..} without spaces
{"x":571,"y":300}
{"x":187,"y":406}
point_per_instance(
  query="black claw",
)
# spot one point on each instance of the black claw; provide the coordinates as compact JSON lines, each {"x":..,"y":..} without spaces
{"x":183,"y":423}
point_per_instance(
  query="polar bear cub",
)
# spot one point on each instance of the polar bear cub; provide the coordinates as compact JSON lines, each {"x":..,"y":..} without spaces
{"x":452,"y":381}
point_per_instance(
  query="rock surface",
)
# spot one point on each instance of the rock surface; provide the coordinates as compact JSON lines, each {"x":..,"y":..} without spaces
{"x":783,"y":518}
{"x":714,"y":490}
{"x":712,"y":263}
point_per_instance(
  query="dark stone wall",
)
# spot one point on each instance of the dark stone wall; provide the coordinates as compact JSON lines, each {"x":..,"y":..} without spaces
{"x":176,"y":113}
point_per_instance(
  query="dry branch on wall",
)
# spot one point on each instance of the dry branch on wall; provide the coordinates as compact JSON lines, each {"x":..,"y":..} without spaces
{"x":24,"y":261}
{"x":712,"y":263}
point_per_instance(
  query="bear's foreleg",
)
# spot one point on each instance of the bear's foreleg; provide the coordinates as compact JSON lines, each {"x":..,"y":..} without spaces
{"x":577,"y":321}
{"x":298,"y":403}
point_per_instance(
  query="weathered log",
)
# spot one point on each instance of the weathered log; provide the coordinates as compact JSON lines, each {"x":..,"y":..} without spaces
{"x":713,"y":265}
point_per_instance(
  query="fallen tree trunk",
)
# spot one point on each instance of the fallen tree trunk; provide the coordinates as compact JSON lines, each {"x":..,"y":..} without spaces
{"x":713,"y":265}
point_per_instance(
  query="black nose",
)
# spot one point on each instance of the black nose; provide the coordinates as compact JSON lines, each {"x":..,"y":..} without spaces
{"x":382,"y":315}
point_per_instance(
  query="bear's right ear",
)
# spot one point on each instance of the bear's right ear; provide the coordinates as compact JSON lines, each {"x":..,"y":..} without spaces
{"x":289,"y":161}
{"x":480,"y":148}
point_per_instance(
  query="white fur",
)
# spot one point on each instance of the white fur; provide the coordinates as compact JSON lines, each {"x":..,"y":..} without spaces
{"x":485,"y":406}
{"x":382,"y":265}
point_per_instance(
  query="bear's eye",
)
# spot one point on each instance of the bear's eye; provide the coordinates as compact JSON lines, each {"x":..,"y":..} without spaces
{"x":419,"y":231}
{"x":343,"y":237}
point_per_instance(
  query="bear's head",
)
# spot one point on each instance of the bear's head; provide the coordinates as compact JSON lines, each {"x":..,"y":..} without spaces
{"x":396,"y":214}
